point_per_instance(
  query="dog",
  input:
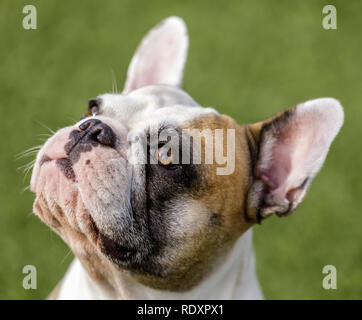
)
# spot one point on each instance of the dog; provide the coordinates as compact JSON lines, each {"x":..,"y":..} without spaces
{"x":162,"y":228}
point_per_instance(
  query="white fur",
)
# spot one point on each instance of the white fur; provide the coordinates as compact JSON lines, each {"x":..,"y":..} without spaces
{"x":233,"y":278}
{"x":152,"y":104}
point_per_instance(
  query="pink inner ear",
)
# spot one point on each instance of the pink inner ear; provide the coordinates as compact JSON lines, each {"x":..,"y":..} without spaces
{"x":279,"y":168}
{"x":160,"y":57}
{"x":155,"y":62}
{"x":293,"y":150}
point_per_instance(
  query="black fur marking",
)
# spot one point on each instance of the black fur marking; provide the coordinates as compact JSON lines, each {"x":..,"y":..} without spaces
{"x":276,"y":125}
{"x":113,"y":249}
{"x":151,"y":211}
{"x":163,"y":186}
{"x":65,"y":166}
{"x":214,"y":219}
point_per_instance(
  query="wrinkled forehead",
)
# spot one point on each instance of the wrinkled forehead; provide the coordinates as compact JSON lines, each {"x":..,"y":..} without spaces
{"x":160,"y":106}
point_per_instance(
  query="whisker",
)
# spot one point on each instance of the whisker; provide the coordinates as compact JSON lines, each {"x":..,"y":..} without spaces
{"x":66,"y":256}
{"x":25,"y":166}
{"x":29,"y":214}
{"x":72,"y":119}
{"x":26,"y":152}
{"x":30,"y":152}
{"x":46,"y":127}
{"x":25,"y":189}
{"x":45,"y":135}
{"x":114,"y":82}
{"x":28,"y":168}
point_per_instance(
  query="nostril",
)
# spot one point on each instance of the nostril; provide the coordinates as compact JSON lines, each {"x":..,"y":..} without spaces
{"x":93,"y":134}
{"x":95,"y":130}
{"x":107,"y":136}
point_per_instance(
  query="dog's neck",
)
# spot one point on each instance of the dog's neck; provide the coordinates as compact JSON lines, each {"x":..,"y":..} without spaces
{"x":234,"y":278}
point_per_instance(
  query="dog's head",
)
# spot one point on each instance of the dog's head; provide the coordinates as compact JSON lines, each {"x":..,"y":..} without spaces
{"x":152,"y":184}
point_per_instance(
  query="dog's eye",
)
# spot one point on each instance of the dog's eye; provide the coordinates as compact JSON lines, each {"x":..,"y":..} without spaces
{"x":164,"y":156}
{"x":93,"y":111}
{"x":93,"y":107}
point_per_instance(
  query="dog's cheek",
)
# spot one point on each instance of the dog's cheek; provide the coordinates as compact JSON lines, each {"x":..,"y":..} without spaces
{"x":104,"y":186}
{"x":190,"y":218}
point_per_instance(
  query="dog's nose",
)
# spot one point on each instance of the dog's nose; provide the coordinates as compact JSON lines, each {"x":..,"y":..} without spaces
{"x":97,"y":131}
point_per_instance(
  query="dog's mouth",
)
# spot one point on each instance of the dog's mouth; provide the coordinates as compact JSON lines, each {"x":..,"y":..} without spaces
{"x":45,"y":159}
{"x":113,"y":250}
{"x":64,"y":164}
{"x":109,"y":247}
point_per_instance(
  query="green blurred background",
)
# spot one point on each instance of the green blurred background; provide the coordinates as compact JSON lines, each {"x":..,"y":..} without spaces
{"x":249,"y":59}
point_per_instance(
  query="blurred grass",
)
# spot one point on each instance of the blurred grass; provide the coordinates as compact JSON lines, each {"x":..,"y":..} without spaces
{"x":249,"y":59}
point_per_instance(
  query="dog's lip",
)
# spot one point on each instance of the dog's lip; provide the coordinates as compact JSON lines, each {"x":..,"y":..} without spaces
{"x":44,"y":159}
{"x":108,"y":246}
{"x":63,"y":163}
{"x":113,"y":249}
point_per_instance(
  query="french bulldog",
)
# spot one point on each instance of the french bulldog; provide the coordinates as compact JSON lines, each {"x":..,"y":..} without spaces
{"x":143,"y":223}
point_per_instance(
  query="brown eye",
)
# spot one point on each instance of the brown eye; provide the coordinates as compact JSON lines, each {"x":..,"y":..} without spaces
{"x":164,"y":156}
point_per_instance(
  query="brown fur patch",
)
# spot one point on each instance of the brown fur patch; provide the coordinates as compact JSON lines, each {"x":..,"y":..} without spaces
{"x":225,"y":194}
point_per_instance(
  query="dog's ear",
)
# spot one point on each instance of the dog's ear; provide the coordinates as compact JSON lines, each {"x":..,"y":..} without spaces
{"x":288,"y":150}
{"x":161,"y":56}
